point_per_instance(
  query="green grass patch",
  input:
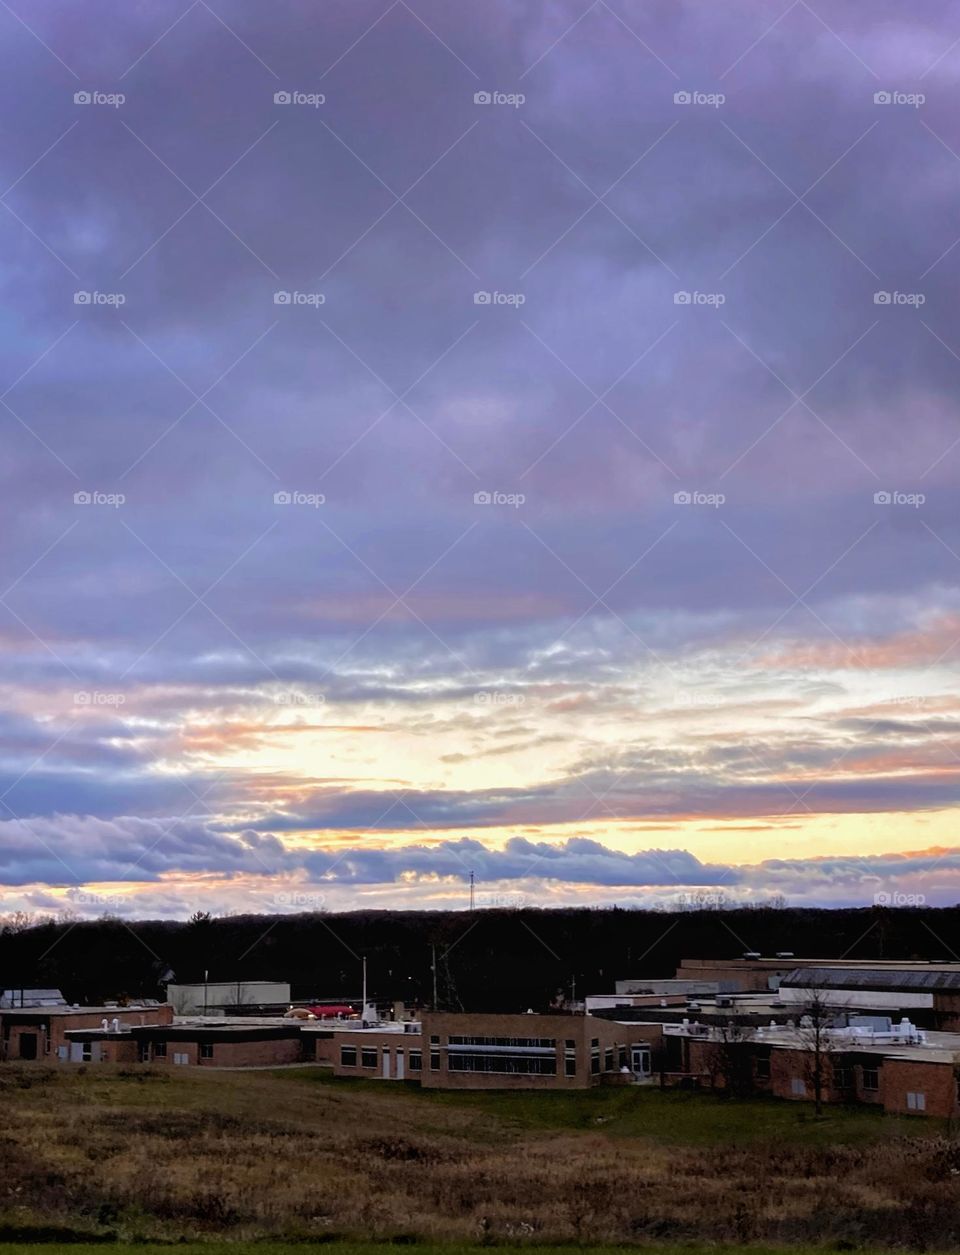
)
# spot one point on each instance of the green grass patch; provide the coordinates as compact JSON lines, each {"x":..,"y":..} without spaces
{"x":671,"y":1117}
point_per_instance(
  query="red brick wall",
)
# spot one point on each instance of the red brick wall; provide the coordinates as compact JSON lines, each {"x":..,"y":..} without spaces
{"x":119,"y":1050}
{"x":241,"y":1054}
{"x":936,"y":1081}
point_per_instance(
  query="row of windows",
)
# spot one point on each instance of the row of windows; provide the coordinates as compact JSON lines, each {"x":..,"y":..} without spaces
{"x":843,"y":1078}
{"x":369,"y":1058}
{"x":541,"y":1043}
{"x":526,"y":1065}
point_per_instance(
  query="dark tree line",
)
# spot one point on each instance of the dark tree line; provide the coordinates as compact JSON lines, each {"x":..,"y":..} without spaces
{"x":485,"y":960}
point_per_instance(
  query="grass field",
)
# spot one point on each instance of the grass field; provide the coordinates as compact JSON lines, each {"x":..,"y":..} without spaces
{"x":371,"y":1248}
{"x":174,"y":1155}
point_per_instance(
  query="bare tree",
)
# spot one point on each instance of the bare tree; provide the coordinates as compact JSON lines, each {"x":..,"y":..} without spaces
{"x":729,"y":1060}
{"x":817,"y":1018}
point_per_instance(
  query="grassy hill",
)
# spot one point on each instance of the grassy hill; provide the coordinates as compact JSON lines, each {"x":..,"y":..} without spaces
{"x":293,"y":1155}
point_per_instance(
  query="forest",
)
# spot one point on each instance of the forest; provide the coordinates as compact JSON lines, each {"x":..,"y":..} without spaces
{"x":482,"y":960}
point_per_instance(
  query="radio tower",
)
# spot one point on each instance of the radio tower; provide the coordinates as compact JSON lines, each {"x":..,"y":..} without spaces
{"x":471,"y":891}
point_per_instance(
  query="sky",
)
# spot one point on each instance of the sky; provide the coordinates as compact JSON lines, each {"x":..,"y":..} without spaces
{"x":517,"y":439}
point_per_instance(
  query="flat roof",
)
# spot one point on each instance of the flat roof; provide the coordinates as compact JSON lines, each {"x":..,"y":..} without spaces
{"x":354,"y":1026}
{"x":936,"y":1047}
{"x":799,"y":961}
{"x":106,"y":1012}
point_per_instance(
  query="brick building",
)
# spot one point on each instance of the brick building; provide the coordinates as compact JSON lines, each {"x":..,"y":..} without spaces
{"x":534,"y":1051}
{"x":231,"y":1043}
{"x":915,"y":1076}
{"x":44,"y":1032}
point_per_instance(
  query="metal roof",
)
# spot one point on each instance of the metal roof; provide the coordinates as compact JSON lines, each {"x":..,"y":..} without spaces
{"x":31,"y":997}
{"x":871,"y":978}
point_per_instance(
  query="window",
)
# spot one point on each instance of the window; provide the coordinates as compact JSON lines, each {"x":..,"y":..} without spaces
{"x":144,"y":1052}
{"x":206,"y":1050}
{"x":348,"y":1056}
{"x":870,"y":1078}
{"x":368,"y":1057}
{"x":763,"y":1069}
{"x":843,"y":1078}
{"x":416,"y":1061}
{"x":181,"y":1059}
{"x":916,"y":1101}
{"x":570,"y":1058}
{"x":434,"y":1041}
{"x":608,"y":1059}
{"x":797,"y":1087}
{"x":159,"y":1050}
{"x":434,"y":1062}
{"x":595,"y":1056}
{"x":87,"y":1052}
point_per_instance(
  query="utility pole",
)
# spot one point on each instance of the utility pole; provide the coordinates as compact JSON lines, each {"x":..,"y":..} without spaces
{"x":471,"y":892}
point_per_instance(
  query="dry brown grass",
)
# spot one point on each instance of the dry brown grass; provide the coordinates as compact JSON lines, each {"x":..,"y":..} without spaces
{"x":248,"y":1154}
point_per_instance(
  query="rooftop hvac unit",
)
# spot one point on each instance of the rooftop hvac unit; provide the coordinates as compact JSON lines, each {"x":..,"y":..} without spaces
{"x":751,"y":954}
{"x":784,"y":954}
